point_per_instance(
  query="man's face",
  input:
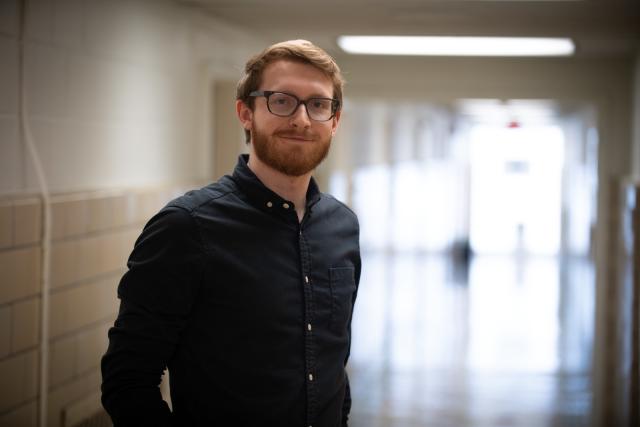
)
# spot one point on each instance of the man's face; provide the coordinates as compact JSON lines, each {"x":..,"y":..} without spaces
{"x":292,"y":145}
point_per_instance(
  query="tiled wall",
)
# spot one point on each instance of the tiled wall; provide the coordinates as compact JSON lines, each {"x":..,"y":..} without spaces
{"x":117,"y":96}
{"x":92,"y":236}
{"x":20,"y":225}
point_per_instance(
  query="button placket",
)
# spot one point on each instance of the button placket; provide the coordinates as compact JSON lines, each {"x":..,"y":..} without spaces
{"x":309,"y":336}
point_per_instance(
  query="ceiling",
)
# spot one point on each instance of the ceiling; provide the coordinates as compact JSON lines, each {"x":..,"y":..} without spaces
{"x":599,"y":27}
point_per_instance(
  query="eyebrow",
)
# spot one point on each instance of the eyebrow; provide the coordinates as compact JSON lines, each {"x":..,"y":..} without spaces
{"x":316,"y":95}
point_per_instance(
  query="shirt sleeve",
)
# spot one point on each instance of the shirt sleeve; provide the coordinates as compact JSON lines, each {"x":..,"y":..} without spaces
{"x":156,"y":293}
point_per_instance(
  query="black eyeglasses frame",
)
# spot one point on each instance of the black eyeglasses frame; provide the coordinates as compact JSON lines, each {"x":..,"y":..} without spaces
{"x":335,"y":103}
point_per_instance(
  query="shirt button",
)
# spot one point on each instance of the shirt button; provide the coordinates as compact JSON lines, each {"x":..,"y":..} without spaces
{"x":310,"y":377}
{"x":308,"y":326}
{"x":285,"y":205}
{"x":306,"y":279}
{"x":269,"y":204}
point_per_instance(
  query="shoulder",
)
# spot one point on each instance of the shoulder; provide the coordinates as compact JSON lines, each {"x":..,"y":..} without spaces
{"x":177,"y":218}
{"x":195,"y":200}
{"x":336,"y":207}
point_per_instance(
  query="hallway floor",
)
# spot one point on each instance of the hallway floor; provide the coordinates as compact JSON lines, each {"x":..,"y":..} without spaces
{"x":503,"y":342}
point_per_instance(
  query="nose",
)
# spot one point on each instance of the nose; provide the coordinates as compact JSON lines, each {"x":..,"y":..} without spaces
{"x":300,"y":117}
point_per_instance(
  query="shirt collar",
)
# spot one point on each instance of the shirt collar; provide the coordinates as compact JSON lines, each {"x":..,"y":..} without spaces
{"x":262,"y":196}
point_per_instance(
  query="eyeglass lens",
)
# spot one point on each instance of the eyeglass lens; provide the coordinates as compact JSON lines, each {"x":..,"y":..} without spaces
{"x":284,"y":104}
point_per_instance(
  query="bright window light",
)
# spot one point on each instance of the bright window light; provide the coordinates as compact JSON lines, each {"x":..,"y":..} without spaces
{"x":456,"y":46}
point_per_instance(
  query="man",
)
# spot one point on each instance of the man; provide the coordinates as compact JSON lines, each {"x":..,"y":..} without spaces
{"x":244,"y":289}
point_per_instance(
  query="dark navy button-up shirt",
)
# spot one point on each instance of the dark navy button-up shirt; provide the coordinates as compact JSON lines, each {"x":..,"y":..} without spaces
{"x":249,"y":309}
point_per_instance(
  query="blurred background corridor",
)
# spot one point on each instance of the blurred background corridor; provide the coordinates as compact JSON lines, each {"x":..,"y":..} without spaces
{"x":481,"y":296}
{"x":497,"y":196}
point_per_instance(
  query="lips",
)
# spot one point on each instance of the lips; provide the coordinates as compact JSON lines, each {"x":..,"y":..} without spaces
{"x":297,"y":137}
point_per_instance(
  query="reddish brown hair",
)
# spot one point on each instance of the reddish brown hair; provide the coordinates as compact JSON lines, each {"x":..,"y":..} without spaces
{"x":293,"y":50}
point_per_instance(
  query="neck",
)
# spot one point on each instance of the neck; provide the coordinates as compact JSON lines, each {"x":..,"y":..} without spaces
{"x":292,"y":188}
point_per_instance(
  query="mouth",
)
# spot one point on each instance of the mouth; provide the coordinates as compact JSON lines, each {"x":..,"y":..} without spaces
{"x":296,"y":138}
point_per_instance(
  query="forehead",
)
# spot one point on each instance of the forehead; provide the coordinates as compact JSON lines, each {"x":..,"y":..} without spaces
{"x":297,"y":78}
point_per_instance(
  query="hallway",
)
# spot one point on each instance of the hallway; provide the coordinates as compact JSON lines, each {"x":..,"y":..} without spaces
{"x":112,"y":108}
{"x":507,"y":344}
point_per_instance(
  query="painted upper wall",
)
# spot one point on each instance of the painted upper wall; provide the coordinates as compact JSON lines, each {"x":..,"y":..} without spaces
{"x":117,"y":93}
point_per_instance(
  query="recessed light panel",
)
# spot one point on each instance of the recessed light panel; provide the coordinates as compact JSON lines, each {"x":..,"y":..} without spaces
{"x":456,"y":46}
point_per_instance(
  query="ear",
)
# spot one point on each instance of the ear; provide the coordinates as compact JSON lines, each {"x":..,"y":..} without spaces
{"x":245,"y":115}
{"x":334,"y":124}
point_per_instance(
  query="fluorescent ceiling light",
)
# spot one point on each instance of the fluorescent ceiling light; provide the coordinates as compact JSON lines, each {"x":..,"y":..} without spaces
{"x":456,"y":46}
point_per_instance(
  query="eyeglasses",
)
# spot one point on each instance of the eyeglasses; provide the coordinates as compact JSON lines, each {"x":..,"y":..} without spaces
{"x":284,"y":105}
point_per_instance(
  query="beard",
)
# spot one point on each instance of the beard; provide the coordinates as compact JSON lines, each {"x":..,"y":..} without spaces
{"x":290,"y":158}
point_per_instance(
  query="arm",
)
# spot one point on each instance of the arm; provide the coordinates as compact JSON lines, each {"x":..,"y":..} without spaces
{"x":346,"y":405}
{"x":156,"y":294}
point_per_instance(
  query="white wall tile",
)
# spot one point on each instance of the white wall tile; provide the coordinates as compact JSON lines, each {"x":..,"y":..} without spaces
{"x":39,"y":20}
{"x":8,"y":75}
{"x":108,"y":27}
{"x":64,"y":264}
{"x":9,"y":17}
{"x":27,"y":221}
{"x":5,"y":331}
{"x":92,"y":150}
{"x":91,"y":346}
{"x":62,"y":359}
{"x":78,"y":87}
{"x":25,"y":323}
{"x":69,"y":23}
{"x":69,"y":216}
{"x":46,"y":81}
{"x":18,"y":380}
{"x":23,"y":416}
{"x":19,"y":274}
{"x":41,"y":134}
{"x":75,"y":155}
{"x":88,"y":406}
{"x":11,"y":160}
{"x":121,"y":30}
{"x":71,"y":392}
{"x":6,"y":224}
{"x":74,"y":308}
{"x":69,"y":165}
{"x":91,"y":88}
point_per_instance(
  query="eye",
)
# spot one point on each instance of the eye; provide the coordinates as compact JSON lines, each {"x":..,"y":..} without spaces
{"x":281,"y":99}
{"x":320,"y":104}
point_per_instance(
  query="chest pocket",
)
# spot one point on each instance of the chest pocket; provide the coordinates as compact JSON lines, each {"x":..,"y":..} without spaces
{"x":342,"y":284}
